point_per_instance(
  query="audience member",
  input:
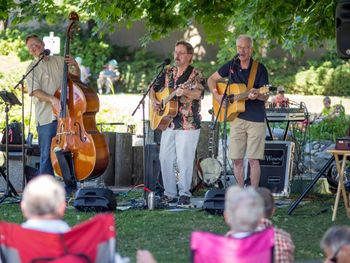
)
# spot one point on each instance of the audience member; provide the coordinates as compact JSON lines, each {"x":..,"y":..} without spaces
{"x":284,"y":246}
{"x":244,"y":208}
{"x":280,"y":101}
{"x":108,"y":78}
{"x":43,"y":205}
{"x":84,"y":71}
{"x":144,"y":256}
{"x":336,"y":244}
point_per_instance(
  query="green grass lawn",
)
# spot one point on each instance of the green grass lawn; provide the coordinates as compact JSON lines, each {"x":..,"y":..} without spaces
{"x":166,"y":233}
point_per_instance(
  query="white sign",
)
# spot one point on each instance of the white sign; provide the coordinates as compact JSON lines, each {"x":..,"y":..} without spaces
{"x":52,"y":43}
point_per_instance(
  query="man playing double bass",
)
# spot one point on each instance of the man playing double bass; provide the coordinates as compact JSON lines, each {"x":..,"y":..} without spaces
{"x":247,"y":133}
{"x":42,"y":84}
{"x":179,"y":140}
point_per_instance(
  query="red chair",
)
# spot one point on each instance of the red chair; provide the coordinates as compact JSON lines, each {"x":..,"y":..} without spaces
{"x":90,"y":241}
{"x":211,"y":248}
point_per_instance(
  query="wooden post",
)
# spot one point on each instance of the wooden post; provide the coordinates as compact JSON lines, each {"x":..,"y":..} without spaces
{"x":137,"y":165}
{"x":123,"y":159}
{"x":109,"y":173}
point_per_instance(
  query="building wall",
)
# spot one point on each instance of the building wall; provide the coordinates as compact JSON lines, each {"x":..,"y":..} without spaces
{"x":165,"y":46}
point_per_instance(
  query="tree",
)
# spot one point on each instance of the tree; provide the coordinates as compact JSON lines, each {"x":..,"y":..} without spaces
{"x":288,"y":23}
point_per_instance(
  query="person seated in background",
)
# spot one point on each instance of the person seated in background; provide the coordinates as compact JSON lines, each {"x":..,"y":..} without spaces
{"x":108,"y":78}
{"x":336,"y":244}
{"x":329,"y":111}
{"x":43,"y":205}
{"x":284,"y":246}
{"x":84,"y":71}
{"x":280,"y":101}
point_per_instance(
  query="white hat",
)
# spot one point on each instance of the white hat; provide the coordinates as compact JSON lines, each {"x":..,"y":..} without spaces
{"x":280,"y":89}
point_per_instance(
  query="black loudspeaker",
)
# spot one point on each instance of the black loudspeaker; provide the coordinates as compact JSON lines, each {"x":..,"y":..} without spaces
{"x":214,"y":201}
{"x":95,"y":199}
{"x":277,"y":167}
{"x":342,"y":28}
{"x":153,"y":174}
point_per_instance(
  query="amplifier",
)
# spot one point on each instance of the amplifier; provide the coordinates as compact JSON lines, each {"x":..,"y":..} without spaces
{"x":277,"y":167}
{"x":343,"y":144}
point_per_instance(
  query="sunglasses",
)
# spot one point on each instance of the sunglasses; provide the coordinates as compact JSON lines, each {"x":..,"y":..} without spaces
{"x":335,"y":255}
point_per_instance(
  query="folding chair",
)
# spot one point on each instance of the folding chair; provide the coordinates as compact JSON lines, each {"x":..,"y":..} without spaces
{"x":211,"y":248}
{"x":90,"y":241}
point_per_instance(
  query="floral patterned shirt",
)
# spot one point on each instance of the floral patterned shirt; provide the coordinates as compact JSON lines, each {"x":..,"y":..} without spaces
{"x":188,"y":116}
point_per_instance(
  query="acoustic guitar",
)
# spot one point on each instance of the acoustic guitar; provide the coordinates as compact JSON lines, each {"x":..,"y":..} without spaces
{"x":237,"y":94}
{"x":168,"y":105}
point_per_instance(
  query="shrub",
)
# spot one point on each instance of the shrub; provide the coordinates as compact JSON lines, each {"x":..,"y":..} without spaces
{"x":330,"y":128}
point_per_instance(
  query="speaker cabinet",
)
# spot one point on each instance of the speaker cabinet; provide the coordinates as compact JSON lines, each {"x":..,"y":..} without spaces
{"x":342,"y":29}
{"x":95,"y":199}
{"x":153,"y":174}
{"x":214,"y":201}
{"x":276,"y":167}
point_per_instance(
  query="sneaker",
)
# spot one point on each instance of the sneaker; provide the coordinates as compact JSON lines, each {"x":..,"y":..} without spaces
{"x":168,"y":200}
{"x":184,"y":201}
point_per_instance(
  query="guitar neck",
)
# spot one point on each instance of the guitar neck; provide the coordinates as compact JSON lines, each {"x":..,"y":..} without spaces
{"x":245,"y":94}
{"x":241,"y":96}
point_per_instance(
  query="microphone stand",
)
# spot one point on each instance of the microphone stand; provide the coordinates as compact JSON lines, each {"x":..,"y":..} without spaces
{"x":142,"y":102}
{"x":21,"y":85}
{"x":225,"y":99}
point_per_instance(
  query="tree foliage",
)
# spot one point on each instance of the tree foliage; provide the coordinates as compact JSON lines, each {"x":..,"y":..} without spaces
{"x":289,"y":23}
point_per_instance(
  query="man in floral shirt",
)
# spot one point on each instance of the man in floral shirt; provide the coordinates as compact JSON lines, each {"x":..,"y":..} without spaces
{"x":179,"y":141}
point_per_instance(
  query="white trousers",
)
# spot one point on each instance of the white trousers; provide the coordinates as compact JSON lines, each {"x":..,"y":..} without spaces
{"x":178,"y":147}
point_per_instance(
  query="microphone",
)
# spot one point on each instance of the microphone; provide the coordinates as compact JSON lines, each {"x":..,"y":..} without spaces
{"x":166,"y":62}
{"x":45,"y":52}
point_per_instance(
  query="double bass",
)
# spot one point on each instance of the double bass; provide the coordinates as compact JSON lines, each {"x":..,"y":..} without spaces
{"x":77,"y":135}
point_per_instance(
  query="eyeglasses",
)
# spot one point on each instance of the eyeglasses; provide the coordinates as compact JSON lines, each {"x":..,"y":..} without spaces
{"x":35,"y":44}
{"x":335,"y":255}
{"x":179,"y":53}
{"x":243,"y":48}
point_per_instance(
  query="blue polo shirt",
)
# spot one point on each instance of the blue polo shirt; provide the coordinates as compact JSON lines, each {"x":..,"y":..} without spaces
{"x":254,"y":109}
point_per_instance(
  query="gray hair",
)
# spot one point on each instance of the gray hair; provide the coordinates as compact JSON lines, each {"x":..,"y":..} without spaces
{"x":244,"y":208}
{"x":247,"y":37}
{"x":43,"y":195}
{"x":336,"y":237}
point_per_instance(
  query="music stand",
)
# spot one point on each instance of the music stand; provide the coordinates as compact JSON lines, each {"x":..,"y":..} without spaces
{"x":9,"y":99}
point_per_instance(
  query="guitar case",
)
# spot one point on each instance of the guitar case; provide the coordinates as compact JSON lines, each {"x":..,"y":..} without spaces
{"x":214,"y":201}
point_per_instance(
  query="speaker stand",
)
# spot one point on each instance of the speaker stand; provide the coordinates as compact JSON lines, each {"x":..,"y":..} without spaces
{"x":13,"y":190}
{"x":320,"y":173}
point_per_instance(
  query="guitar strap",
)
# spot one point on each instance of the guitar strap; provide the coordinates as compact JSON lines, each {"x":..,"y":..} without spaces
{"x":184,"y":77}
{"x":252,"y":75}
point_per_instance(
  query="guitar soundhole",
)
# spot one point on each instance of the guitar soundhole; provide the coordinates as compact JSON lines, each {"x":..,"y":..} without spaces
{"x":162,"y":106}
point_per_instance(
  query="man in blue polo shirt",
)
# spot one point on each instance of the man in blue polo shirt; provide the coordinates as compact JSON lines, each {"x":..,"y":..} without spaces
{"x":247,"y":134}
